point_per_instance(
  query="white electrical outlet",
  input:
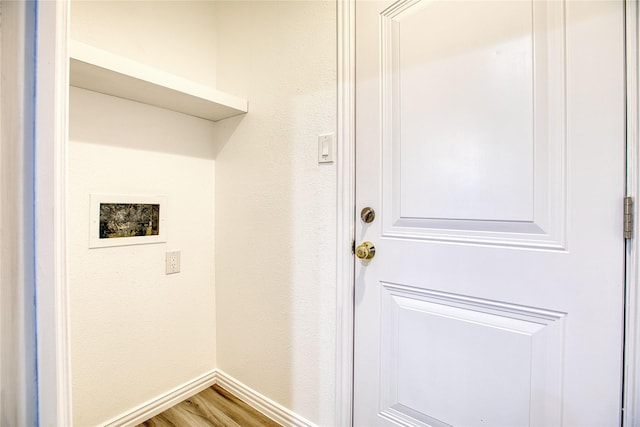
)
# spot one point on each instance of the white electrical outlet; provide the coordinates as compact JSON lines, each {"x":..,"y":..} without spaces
{"x":173,"y":262}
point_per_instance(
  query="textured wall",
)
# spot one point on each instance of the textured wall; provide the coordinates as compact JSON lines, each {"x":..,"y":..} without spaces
{"x":136,"y":333}
{"x":178,"y":37}
{"x":275,"y":206}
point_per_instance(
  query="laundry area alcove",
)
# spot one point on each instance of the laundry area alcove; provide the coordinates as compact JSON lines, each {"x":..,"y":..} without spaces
{"x":216,"y":107}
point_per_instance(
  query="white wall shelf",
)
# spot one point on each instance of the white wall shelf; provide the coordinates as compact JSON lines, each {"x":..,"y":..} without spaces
{"x":101,"y":71}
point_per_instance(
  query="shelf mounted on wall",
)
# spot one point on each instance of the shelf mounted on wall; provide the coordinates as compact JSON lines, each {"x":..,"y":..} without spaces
{"x":101,"y":71}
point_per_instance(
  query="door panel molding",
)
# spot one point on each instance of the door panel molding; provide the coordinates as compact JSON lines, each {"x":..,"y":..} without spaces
{"x":532,"y":342}
{"x":541,"y":220}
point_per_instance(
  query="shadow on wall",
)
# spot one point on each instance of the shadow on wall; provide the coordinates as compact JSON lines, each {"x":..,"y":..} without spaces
{"x":224,"y":132}
{"x":144,"y":131}
{"x":273,"y":326}
{"x":275,"y":205}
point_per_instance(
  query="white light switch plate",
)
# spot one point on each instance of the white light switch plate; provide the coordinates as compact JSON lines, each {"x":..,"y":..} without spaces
{"x":173,"y":262}
{"x":326,"y":148}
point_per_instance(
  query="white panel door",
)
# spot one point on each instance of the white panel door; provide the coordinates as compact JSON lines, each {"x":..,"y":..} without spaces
{"x":490,"y":143}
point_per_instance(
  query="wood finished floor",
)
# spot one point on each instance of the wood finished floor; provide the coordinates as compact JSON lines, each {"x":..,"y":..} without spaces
{"x":213,"y":406}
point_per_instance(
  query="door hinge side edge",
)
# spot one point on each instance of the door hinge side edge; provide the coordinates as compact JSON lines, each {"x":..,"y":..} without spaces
{"x":628,"y":217}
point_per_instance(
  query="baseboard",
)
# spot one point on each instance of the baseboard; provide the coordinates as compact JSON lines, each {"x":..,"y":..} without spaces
{"x":273,"y":410}
{"x":164,"y":402}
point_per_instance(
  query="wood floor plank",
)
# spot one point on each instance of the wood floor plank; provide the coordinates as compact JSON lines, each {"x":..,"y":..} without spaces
{"x":213,"y":406}
{"x":238,"y":410}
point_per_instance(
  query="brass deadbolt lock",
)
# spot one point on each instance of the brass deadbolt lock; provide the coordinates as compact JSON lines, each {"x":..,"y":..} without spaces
{"x":367,"y":215}
{"x":365,"y":250}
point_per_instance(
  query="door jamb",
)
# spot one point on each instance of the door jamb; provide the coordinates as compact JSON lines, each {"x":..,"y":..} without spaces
{"x":631,"y":392}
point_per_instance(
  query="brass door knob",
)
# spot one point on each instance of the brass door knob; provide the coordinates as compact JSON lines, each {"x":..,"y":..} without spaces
{"x":365,"y":250}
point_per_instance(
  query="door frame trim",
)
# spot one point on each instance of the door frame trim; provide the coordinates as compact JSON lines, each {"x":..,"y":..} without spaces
{"x":50,"y":173}
{"x":345,"y":210}
{"x":346,"y":216}
{"x":631,"y":396}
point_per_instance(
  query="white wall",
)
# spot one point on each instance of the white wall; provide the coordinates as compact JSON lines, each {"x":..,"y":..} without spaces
{"x":136,"y":333}
{"x":132,"y":327}
{"x":275,"y":206}
{"x":178,"y":37}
